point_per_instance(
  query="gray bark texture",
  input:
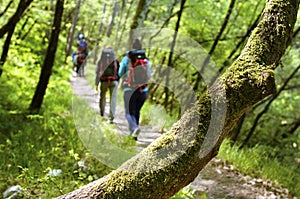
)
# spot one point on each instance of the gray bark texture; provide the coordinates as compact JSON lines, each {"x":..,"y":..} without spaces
{"x":174,"y":160}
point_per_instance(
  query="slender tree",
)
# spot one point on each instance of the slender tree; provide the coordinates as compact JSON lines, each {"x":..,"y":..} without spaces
{"x":266,"y":108}
{"x":167,"y":20}
{"x":23,"y":5}
{"x":9,"y":28}
{"x":72,"y":29}
{"x":120,"y":37}
{"x":174,"y":160}
{"x":40,"y":91}
{"x":216,"y":41}
{"x":242,"y":40}
{"x":6,"y":8}
{"x":113,"y":16}
{"x":6,"y":48}
{"x":138,"y":19}
{"x":179,"y":14}
{"x":102,"y":18}
{"x":100,"y":30}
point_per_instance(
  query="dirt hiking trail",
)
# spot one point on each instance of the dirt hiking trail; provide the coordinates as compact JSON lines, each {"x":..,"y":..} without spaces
{"x":218,"y":180}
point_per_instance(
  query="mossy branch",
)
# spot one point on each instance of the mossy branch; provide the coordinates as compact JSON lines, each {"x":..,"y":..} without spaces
{"x":174,"y":160}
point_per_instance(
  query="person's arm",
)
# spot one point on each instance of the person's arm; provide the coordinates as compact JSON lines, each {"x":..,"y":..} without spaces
{"x":97,"y":79}
{"x":118,"y":68}
{"x":149,"y":70}
{"x":123,"y":66}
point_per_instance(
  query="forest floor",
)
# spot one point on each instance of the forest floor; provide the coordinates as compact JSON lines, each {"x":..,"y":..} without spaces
{"x":218,"y":179}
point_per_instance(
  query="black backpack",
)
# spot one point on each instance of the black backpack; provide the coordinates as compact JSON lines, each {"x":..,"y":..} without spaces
{"x":138,"y":69}
{"x":107,"y":66}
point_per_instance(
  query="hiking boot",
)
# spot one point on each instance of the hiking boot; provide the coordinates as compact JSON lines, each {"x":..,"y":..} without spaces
{"x":111,"y":120}
{"x":135,"y":133}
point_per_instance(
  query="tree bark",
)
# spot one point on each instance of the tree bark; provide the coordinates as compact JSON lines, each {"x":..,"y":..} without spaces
{"x":23,"y":5}
{"x":138,"y":20}
{"x":40,"y":91}
{"x":6,"y":47}
{"x":10,"y":28}
{"x":6,"y":8}
{"x":72,"y":29}
{"x":113,"y":16}
{"x":242,"y":40}
{"x":266,"y":108}
{"x":120,"y":37}
{"x":174,"y":160}
{"x":213,"y":47}
{"x":166,"y":103}
{"x":102,"y":18}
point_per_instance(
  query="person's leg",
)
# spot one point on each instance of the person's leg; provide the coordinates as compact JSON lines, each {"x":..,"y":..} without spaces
{"x":113,"y":91}
{"x":77,"y":68}
{"x":81,"y":71}
{"x":137,"y":101}
{"x":102,"y":100}
{"x":128,"y":104}
{"x":139,"y":104}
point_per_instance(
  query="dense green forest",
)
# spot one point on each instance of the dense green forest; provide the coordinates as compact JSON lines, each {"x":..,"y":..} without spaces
{"x":190,"y":44}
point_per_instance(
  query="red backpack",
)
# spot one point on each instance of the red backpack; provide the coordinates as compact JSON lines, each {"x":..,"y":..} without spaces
{"x":138,"y":69}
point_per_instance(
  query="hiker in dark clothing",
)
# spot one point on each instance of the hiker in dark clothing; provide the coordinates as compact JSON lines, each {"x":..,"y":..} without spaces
{"x":107,"y":74}
{"x":135,"y":91}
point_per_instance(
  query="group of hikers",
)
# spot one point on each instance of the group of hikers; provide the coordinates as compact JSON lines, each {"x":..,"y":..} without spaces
{"x":135,"y":70}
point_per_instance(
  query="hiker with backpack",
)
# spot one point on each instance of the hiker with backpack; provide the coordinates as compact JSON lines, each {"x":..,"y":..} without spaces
{"x":107,"y":74}
{"x":80,"y":57}
{"x":135,"y":68}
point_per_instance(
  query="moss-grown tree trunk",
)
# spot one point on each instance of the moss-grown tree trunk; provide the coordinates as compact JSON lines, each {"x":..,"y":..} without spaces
{"x":175,"y":159}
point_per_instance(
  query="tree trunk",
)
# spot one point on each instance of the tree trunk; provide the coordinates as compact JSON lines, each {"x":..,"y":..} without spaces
{"x":168,"y":19}
{"x":97,"y":47}
{"x":6,"y":48}
{"x":242,"y":40}
{"x":72,"y":29}
{"x":40,"y":91}
{"x":174,"y":160}
{"x":112,"y":22}
{"x":120,"y":21}
{"x":102,"y":19}
{"x":172,"y":51}
{"x":120,"y":37}
{"x":138,"y":20}
{"x":216,"y":41}
{"x":266,"y":108}
{"x":28,"y":31}
{"x":10,"y":28}
{"x":23,"y":5}
{"x":6,"y":8}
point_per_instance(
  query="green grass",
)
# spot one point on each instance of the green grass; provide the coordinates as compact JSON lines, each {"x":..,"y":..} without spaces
{"x":257,"y":162}
{"x":155,"y":115}
{"x":32,"y":145}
